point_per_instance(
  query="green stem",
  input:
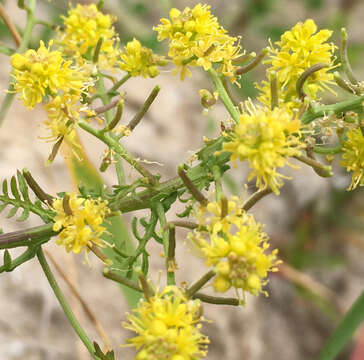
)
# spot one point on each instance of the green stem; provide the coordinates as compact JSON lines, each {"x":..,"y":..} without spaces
{"x":218,"y":183}
{"x":256,"y":61}
{"x":119,"y":83}
{"x":143,"y":110}
{"x":64,"y":304}
{"x":9,"y":97}
{"x":217,"y":300}
{"x":121,"y":279}
{"x":319,"y":111}
{"x":27,"y":237}
{"x":320,"y":169}
{"x":344,"y":57}
{"x":119,"y":149}
{"x":343,"y":333}
{"x":200,"y":283}
{"x":163,"y":222}
{"x":305,"y":75}
{"x":327,"y":150}
{"x":254,"y":198}
{"x":224,"y":96}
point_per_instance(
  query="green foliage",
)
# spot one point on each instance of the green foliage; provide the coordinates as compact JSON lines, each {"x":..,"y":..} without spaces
{"x":18,"y":198}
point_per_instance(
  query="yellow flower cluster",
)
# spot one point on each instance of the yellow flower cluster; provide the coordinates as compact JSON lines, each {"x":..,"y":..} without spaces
{"x":353,"y":156}
{"x":138,"y":60}
{"x":197,"y":39}
{"x":45,"y":72}
{"x":300,"y":48}
{"x":235,"y":245}
{"x":167,"y":327}
{"x":83,"y":27}
{"x":79,"y":220}
{"x":266,"y":138}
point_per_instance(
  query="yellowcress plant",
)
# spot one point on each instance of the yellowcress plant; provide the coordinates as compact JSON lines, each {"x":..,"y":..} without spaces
{"x":285,"y":124}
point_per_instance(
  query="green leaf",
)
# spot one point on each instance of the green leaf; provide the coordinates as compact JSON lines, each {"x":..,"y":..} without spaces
{"x":14,"y":188}
{"x":12,"y":212}
{"x":5,"y":188}
{"x":7,"y":260}
{"x":22,"y":186}
{"x":24,"y":215}
{"x":344,"y":332}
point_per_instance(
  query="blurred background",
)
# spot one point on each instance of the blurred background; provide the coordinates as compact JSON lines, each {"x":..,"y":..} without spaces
{"x":316,"y":224}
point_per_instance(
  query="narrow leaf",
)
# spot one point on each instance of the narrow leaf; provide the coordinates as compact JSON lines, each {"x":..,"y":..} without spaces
{"x":12,"y":212}
{"x":24,"y":215}
{"x":14,"y":188}
{"x":7,"y":260}
{"x":5,"y":188}
{"x":344,"y":332}
{"x":22,"y":186}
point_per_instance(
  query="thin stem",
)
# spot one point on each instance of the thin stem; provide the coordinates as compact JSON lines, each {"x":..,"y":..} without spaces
{"x":256,"y":61}
{"x":344,"y":57}
{"x":171,"y":259}
{"x":200,"y":283}
{"x":145,"y":107}
{"x":322,"y":170}
{"x":106,"y":107}
{"x":119,"y":83}
{"x":9,"y":97}
{"x":345,"y":85}
{"x":218,"y":183}
{"x":224,"y":96}
{"x":38,"y":191}
{"x":121,"y":280}
{"x":315,"y":112}
{"x":183,"y":224}
{"x":327,"y":150}
{"x":305,"y":75}
{"x":217,"y":300}
{"x":98,"y":253}
{"x":64,"y":304}
{"x":11,"y":26}
{"x":119,"y":149}
{"x":163,"y":222}
{"x":254,"y":198}
{"x":191,"y":187}
{"x":145,"y":286}
{"x":26,"y":237}
{"x":273,"y":81}
{"x":83,"y":303}
{"x":312,"y":285}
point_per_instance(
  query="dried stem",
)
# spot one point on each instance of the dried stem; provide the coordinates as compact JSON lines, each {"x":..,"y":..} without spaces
{"x":254,"y":198}
{"x":11,"y":26}
{"x":200,"y":283}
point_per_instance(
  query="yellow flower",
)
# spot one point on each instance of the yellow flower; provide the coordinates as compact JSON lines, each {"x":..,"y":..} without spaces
{"x":300,"y":48}
{"x":79,"y":220}
{"x":236,"y":246}
{"x":197,"y":39}
{"x":138,"y":60}
{"x":44,"y":72}
{"x":266,"y":138}
{"x":63,"y":113}
{"x":353,"y":157}
{"x":84,"y":26}
{"x":167,"y":327}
